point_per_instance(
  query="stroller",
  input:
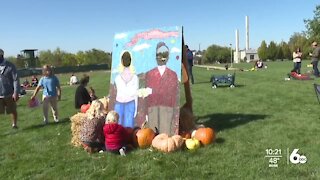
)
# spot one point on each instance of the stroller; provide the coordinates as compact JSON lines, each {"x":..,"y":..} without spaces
{"x":223,"y":80}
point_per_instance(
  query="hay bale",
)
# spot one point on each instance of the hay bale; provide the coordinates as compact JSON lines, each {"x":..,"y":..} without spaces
{"x":105,"y":102}
{"x":76,"y":125}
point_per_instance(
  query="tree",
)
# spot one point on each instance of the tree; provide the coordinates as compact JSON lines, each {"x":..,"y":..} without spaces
{"x":287,"y":54}
{"x":272,"y":51}
{"x":313,"y":25}
{"x":299,"y":40}
{"x":216,"y":53}
{"x":262,"y":50}
{"x":279,"y":54}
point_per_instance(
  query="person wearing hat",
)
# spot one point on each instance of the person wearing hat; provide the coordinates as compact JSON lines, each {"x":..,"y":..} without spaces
{"x":315,"y":58}
{"x":9,"y":89}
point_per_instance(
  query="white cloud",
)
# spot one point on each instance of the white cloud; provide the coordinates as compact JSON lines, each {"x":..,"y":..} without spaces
{"x":120,"y":36}
{"x":141,"y":47}
{"x":175,"y":50}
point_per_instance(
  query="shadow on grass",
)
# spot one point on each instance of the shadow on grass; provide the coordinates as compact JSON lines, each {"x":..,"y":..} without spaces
{"x":41,"y":125}
{"x":220,"y":122}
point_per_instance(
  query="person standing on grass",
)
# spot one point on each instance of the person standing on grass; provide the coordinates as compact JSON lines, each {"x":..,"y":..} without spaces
{"x":51,"y":93}
{"x":315,"y":58}
{"x":297,"y":61}
{"x":190,"y":63}
{"x":9,"y":89}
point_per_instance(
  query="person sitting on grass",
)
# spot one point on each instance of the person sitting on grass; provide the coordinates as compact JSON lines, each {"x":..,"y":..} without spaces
{"x":91,"y":133}
{"x":259,"y":64}
{"x":34,"y":81}
{"x":73,"y":80}
{"x":116,"y":136}
{"x":25,"y":84}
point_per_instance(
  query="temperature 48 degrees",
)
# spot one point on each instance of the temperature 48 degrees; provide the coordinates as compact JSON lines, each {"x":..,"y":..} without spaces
{"x":274,"y":160}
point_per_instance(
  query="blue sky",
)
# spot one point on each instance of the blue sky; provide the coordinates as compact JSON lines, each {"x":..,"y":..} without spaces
{"x":75,"y":25}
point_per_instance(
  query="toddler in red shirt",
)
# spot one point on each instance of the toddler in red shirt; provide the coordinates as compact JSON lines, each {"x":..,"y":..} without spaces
{"x":115,"y":134}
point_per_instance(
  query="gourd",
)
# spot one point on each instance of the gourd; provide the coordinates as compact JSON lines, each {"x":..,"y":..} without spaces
{"x":164,"y":143}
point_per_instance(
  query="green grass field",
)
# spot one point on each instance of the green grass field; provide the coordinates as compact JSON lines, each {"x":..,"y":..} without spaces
{"x":263,"y":112}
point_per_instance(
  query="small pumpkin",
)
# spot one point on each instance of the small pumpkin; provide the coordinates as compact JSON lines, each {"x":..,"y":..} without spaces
{"x":164,"y":143}
{"x":142,"y":138}
{"x":192,"y":144}
{"x":84,"y":108}
{"x":205,"y":135}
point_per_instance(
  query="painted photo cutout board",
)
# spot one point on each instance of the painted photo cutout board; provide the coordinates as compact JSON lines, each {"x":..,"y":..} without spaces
{"x":145,"y":78}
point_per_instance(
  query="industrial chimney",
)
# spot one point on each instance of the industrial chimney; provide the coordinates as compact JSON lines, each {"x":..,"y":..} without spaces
{"x":247,"y":33}
{"x":236,"y":53}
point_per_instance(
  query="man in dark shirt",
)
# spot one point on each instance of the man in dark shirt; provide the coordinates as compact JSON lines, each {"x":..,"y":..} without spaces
{"x":315,"y":58}
{"x":190,"y":63}
{"x":82,"y":95}
{"x":9,"y":89}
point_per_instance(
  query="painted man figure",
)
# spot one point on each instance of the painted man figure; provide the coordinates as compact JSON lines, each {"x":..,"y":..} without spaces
{"x":162,"y":102}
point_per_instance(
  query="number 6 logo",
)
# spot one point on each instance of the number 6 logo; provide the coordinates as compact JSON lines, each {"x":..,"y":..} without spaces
{"x":296,"y":158}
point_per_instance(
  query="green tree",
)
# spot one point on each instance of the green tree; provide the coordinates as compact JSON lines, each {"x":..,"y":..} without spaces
{"x":287,"y":54}
{"x":299,"y":40}
{"x":215,"y":53}
{"x":279,"y":54}
{"x":262,"y":50}
{"x":272,"y":51}
{"x":313,"y":25}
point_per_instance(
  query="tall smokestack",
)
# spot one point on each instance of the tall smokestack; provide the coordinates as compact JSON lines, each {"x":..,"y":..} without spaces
{"x":247,"y":33}
{"x":236,"y":54}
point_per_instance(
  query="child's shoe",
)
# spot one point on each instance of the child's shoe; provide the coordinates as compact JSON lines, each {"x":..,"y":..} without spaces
{"x":122,"y":151}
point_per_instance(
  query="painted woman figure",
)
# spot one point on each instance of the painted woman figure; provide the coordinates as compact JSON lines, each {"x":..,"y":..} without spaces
{"x":127,"y":84}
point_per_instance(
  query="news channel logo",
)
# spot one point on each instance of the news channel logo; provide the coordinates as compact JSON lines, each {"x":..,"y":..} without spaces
{"x":274,"y":156}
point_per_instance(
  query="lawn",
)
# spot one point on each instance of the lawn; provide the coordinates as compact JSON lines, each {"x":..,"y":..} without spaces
{"x":263,"y":112}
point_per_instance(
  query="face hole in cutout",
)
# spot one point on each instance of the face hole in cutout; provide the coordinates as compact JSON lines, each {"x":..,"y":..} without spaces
{"x":126,"y":59}
{"x":162,"y":54}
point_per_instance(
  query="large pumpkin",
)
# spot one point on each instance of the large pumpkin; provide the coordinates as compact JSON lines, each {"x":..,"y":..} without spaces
{"x":205,"y":135}
{"x":164,"y":143}
{"x":142,"y":138}
{"x":84,"y":108}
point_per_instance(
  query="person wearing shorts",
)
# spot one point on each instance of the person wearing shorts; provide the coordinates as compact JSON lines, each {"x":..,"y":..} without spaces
{"x":9,"y":89}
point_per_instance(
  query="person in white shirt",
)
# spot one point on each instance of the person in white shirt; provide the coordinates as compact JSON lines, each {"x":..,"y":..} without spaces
{"x":73,"y":80}
{"x":297,"y":61}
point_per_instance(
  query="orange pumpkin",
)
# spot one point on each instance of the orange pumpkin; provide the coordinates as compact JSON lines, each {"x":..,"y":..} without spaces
{"x":205,"y":135}
{"x":84,"y":108}
{"x":143,"y":137}
{"x":164,"y":143}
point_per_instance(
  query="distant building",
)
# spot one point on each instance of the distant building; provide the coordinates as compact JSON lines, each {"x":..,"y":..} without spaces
{"x":246,"y":55}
